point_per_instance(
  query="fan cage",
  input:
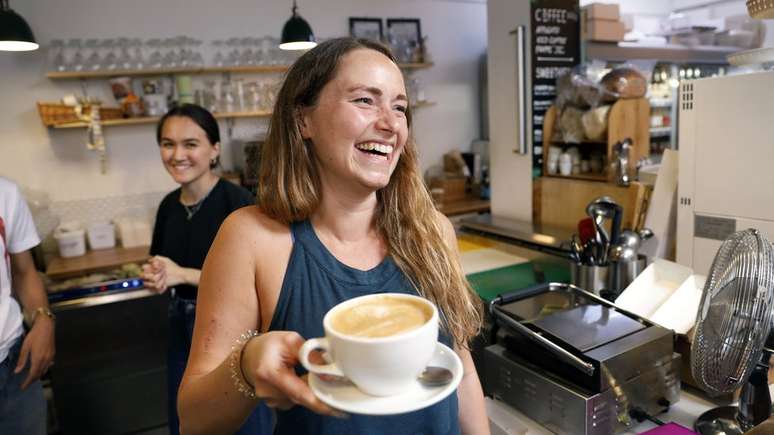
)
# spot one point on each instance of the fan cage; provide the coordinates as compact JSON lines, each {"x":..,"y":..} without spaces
{"x":735,"y":314}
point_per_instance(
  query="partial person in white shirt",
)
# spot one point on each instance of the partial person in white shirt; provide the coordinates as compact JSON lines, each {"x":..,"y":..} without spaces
{"x":23,"y":357}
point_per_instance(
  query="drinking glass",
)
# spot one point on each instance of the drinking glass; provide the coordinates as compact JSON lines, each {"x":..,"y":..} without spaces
{"x":156,"y":60}
{"x":110,"y":59}
{"x":227,"y":97}
{"x":219,"y":59}
{"x":58,"y":61}
{"x":171,"y":56}
{"x":252,"y":97}
{"x":124,"y":57}
{"x":197,"y":60}
{"x":94,"y":61}
{"x":210,"y":96}
{"x":76,"y":60}
{"x":137,"y":60}
{"x":247,"y":56}
{"x":233,"y":57}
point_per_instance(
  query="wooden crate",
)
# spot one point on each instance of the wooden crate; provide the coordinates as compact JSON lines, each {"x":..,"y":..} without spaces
{"x":628,"y":118}
{"x":453,"y":188}
{"x":53,"y":114}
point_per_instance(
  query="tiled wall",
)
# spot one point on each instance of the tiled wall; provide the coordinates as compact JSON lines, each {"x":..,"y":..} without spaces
{"x":89,"y":211}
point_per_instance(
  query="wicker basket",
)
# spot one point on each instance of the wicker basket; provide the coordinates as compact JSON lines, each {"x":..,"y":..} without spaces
{"x":53,"y":114}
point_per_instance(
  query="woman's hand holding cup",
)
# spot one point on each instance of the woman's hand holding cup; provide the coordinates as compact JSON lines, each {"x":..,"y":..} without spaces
{"x":381,"y":342}
{"x":268,"y":362}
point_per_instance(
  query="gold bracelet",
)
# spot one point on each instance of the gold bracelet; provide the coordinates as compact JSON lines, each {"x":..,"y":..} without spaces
{"x":235,"y":363}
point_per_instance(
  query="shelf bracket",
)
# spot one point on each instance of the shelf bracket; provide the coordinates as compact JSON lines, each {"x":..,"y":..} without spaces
{"x":230,"y":127}
{"x":84,"y":87}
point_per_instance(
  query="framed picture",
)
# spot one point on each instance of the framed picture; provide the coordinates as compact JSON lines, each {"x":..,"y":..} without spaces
{"x":405,"y":38}
{"x":366,"y":28}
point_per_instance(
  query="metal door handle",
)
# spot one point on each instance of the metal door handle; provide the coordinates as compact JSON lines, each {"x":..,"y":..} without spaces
{"x":521,"y":87}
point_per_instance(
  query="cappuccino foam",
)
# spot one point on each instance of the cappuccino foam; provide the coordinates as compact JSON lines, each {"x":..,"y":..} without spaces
{"x":381,"y":317}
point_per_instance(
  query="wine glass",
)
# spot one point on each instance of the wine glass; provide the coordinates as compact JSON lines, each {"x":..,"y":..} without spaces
{"x":58,"y":61}
{"x":76,"y":60}
{"x":94,"y":61}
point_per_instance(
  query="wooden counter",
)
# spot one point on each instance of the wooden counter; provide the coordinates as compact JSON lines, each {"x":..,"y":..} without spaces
{"x":466,"y":205}
{"x":96,"y":260}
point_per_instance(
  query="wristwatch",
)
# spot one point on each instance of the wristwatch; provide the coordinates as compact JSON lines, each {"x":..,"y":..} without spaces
{"x":42,"y":311}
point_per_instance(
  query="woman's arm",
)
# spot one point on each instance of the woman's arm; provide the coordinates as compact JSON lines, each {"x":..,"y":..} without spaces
{"x":472,"y":412}
{"x":228,"y":306}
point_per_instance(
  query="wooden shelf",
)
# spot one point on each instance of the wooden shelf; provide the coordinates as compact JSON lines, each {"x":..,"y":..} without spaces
{"x":97,"y":260}
{"x":416,"y":65}
{"x":69,"y":75}
{"x":466,"y":205}
{"x":660,"y":131}
{"x":587,"y":177}
{"x":420,"y":104}
{"x":624,"y":51}
{"x":222,"y":115}
{"x":578,"y":144}
{"x":627,"y":118}
{"x":155,"y":119}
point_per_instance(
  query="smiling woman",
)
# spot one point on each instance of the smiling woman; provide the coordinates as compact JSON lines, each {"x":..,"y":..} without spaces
{"x":343,"y":213}
{"x":370,"y":119}
{"x":186,"y":223}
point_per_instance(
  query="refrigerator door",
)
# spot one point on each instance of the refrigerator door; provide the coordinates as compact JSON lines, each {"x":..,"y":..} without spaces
{"x":509,"y":101}
{"x":726,"y":163}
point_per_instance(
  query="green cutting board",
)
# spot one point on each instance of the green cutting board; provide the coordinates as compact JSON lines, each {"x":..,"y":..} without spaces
{"x":490,"y":283}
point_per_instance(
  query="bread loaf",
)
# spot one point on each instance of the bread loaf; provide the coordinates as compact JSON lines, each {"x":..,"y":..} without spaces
{"x":625,"y":83}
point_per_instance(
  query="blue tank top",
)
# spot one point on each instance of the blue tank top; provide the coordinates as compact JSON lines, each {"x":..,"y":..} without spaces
{"x":314,"y":282}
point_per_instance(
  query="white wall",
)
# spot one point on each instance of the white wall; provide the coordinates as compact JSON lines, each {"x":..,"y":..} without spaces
{"x":57,"y":162}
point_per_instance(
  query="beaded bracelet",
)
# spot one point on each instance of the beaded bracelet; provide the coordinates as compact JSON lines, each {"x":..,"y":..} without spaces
{"x":235,"y":363}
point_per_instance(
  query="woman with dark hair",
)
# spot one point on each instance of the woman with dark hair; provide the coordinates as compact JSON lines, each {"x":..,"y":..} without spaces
{"x":186,"y":223}
{"x":345,"y":211}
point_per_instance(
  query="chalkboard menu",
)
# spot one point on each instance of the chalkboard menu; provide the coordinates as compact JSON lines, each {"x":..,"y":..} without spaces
{"x":555,"y":37}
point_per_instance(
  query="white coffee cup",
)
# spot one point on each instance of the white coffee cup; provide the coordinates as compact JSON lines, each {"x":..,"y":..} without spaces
{"x":377,"y":365}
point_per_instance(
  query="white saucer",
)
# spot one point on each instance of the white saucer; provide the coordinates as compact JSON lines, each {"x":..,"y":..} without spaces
{"x":348,"y":398}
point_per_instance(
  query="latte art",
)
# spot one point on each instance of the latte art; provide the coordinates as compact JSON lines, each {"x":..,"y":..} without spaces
{"x":381,"y":317}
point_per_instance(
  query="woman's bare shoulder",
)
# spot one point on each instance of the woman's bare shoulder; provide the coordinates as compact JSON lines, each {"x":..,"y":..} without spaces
{"x":251,"y":223}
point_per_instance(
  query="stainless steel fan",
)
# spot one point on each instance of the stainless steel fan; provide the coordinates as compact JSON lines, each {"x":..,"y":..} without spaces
{"x":732,"y":342}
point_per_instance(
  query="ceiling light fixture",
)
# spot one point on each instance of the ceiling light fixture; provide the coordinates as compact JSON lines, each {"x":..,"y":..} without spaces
{"x":296,"y":35}
{"x":15,"y":33}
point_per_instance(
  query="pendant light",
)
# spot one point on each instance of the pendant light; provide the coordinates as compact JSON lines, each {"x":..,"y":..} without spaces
{"x":297,"y":35}
{"x":15,"y":33}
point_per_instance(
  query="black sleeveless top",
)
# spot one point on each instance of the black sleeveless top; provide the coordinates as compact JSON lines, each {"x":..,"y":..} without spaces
{"x":314,"y":282}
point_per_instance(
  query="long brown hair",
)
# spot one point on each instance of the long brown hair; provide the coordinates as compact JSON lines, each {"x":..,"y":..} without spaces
{"x":289,"y":190}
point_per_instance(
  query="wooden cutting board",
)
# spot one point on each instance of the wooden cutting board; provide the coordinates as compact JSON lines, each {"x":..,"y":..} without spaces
{"x":560,"y":202}
{"x":95,"y":261}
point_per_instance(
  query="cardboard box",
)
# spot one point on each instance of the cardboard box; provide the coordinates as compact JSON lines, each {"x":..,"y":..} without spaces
{"x":602,"y":11}
{"x":450,"y":188}
{"x":603,"y":30}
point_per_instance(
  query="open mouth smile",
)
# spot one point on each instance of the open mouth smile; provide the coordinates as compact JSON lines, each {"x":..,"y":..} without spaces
{"x":376,"y":149}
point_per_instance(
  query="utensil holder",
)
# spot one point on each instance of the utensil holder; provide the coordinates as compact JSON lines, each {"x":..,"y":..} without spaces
{"x":593,"y":279}
{"x":622,"y":273}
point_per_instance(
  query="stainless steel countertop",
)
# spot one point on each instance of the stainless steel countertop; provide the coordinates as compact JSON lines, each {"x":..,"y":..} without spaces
{"x":101,"y":299}
{"x":551,"y":240}
{"x":554,"y":241}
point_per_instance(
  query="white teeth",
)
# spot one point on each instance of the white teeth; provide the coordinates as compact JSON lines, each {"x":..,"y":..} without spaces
{"x":369,"y":146}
